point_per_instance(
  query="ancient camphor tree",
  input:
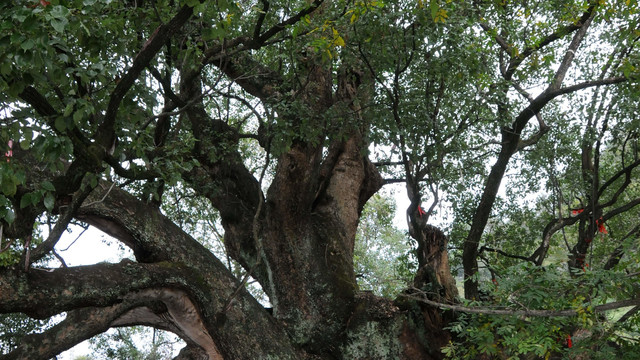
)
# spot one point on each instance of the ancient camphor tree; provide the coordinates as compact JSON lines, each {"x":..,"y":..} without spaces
{"x":286,"y":117}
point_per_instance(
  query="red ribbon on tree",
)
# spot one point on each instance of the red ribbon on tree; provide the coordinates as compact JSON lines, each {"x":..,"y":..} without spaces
{"x":601,"y":228}
{"x":421,"y":211}
{"x":9,"y":153}
{"x":44,"y":3}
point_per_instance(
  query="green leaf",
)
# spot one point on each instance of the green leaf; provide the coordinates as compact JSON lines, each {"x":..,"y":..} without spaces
{"x":77,"y":116}
{"x":5,"y":68}
{"x":433,"y":8}
{"x":20,"y":176}
{"x":47,"y":185}
{"x":25,"y":144}
{"x":49,"y":201}
{"x":9,"y":185}
{"x":59,"y":24}
{"x":61,"y":124}
{"x":26,"y":200}
{"x":20,"y":16}
{"x":16,"y":88}
{"x":213,"y":33}
{"x":60,"y":12}
{"x":27,"y":45}
{"x":68,"y":110}
{"x":10,"y":216}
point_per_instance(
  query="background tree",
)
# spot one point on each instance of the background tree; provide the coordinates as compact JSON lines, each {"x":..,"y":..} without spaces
{"x":383,"y":259}
{"x":139,"y":117}
{"x":135,"y":343}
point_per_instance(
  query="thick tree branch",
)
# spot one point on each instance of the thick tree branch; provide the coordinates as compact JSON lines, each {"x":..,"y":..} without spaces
{"x":38,"y":102}
{"x":255,"y":78}
{"x":79,"y":325}
{"x":626,"y":171}
{"x":552,"y":227}
{"x":226,"y":182}
{"x":160,"y":308}
{"x":52,"y":291}
{"x":166,"y":87}
{"x":587,"y":84}
{"x":191,"y":353}
{"x":263,"y":13}
{"x":571,"y":51}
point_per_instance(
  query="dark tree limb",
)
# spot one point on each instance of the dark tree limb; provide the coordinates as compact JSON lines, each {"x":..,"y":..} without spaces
{"x":627,"y":181}
{"x":160,"y":308}
{"x":271,"y":32}
{"x":629,"y":314}
{"x":225,"y":181}
{"x":79,"y":325}
{"x":38,"y":102}
{"x":263,"y":13}
{"x":616,"y":255}
{"x":52,"y":291}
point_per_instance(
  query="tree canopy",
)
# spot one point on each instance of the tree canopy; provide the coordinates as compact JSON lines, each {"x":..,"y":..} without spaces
{"x":176,"y":126}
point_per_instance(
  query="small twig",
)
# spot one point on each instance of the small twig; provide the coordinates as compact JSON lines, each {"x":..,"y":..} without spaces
{"x":27,"y":252}
{"x":61,"y":225}
{"x":7,"y":246}
{"x":104,"y":197}
{"x":501,"y":252}
{"x":64,"y":264}
{"x":533,"y":313}
{"x":74,"y":241}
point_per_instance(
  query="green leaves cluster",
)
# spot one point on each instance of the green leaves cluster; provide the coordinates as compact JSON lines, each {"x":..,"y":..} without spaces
{"x":523,"y":287}
{"x":383,"y":259}
{"x":133,"y":343}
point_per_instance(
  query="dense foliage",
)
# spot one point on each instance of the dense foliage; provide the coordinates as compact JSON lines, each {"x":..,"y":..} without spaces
{"x":234,"y":145}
